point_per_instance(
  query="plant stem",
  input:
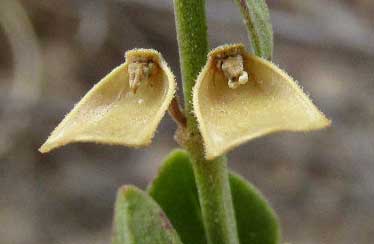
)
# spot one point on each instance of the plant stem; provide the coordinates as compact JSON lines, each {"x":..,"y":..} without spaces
{"x":215,"y":198}
{"x":211,"y":176}
{"x":193,"y":46}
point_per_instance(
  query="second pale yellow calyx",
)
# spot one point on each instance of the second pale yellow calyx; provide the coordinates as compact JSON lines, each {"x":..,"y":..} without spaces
{"x":264,"y":100}
{"x":124,"y":108}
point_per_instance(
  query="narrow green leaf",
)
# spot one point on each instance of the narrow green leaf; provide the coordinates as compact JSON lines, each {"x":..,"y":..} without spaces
{"x":139,"y":220}
{"x":174,"y":190}
{"x":257,"y":222}
{"x":257,"y":20}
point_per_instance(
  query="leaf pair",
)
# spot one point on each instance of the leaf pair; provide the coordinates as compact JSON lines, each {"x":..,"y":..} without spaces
{"x":237,"y":97}
{"x":139,"y":218}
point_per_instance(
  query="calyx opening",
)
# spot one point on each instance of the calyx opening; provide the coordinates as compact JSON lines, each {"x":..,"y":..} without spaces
{"x":139,"y":71}
{"x":233,"y":70}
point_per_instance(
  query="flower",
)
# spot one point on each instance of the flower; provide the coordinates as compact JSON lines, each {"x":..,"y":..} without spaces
{"x":124,"y":108}
{"x":238,"y":97}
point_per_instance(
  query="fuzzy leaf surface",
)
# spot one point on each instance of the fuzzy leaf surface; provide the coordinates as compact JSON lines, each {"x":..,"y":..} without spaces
{"x":174,"y":189}
{"x":139,"y":220}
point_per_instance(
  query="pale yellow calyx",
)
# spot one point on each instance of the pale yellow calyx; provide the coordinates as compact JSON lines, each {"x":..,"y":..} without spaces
{"x":232,"y":67}
{"x":268,"y":101}
{"x":124,"y":108}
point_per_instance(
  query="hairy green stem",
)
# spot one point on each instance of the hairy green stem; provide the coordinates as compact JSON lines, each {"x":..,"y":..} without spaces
{"x":193,"y":47}
{"x":212,"y":180}
{"x":211,"y":176}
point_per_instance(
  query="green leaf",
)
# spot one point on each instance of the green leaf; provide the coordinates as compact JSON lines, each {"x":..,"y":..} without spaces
{"x":257,"y":20}
{"x":139,"y":220}
{"x":257,"y":222}
{"x":174,"y":190}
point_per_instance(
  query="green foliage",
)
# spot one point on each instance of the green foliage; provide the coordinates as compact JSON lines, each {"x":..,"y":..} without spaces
{"x":175,"y":191}
{"x":257,"y":20}
{"x":257,"y":222}
{"x":139,"y":220}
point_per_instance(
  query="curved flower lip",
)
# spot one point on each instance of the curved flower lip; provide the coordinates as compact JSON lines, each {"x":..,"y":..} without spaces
{"x":270,"y":102}
{"x":110,"y":113}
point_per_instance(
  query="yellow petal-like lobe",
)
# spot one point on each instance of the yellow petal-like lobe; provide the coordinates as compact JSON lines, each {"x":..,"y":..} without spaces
{"x":269,"y":101}
{"x":112,"y":112}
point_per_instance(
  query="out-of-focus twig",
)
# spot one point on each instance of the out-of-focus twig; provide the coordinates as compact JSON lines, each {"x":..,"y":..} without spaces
{"x":25,"y":49}
{"x":25,"y":89}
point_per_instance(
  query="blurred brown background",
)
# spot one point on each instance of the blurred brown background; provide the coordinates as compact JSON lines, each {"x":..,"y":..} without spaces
{"x":51,"y":52}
